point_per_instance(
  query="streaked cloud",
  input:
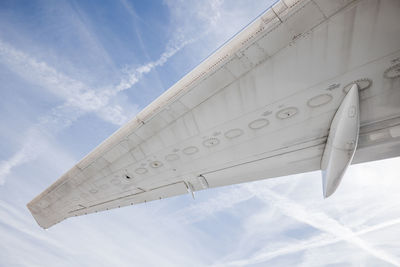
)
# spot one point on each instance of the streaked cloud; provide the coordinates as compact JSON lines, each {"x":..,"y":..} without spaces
{"x":78,"y":97}
{"x":276,"y":222}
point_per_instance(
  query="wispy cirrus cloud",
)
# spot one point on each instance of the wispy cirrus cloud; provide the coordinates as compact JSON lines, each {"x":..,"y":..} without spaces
{"x":27,"y":153}
{"x":308,"y":244}
{"x":76,"y":94}
{"x":238,"y":225}
{"x":293,"y":223}
{"x":78,"y":97}
{"x":344,"y":223}
{"x":44,"y":247}
{"x":133,"y":75}
{"x":321,"y":221}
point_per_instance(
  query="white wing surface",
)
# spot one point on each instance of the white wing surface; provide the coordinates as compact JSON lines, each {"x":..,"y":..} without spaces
{"x":259,"y":107}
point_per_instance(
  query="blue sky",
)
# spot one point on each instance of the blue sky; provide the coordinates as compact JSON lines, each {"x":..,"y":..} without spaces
{"x":72,"y":72}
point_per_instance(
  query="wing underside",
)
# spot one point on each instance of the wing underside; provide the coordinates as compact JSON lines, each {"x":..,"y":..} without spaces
{"x":259,"y":107}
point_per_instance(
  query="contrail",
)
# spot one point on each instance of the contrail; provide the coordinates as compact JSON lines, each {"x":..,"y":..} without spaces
{"x":321,"y":221}
{"x":79,"y":97}
{"x":313,"y":243}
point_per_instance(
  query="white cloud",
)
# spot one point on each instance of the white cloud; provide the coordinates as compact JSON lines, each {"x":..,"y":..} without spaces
{"x":79,"y":98}
{"x":33,"y":144}
{"x":320,"y":221}
{"x":133,"y":75}
{"x":75,"y":93}
{"x":345,"y":219}
{"x":215,"y":21}
{"x":168,"y":235}
{"x":225,"y":199}
{"x":142,"y":240}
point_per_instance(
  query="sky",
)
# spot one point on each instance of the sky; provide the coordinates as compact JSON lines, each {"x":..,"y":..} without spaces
{"x":73,"y":72}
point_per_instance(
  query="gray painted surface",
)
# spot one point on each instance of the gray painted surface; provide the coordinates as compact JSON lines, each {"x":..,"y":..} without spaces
{"x":259,"y":107}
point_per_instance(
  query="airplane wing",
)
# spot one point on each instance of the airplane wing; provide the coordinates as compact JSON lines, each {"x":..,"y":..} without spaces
{"x":261,"y":106}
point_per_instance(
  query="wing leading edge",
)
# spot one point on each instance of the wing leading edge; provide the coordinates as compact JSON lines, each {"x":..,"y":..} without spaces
{"x":259,"y":107}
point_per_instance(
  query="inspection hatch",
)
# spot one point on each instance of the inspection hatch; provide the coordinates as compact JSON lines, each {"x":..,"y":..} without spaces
{"x":287,"y":113}
{"x":258,"y":124}
{"x":156,"y":164}
{"x":190,"y":150}
{"x":141,"y":170}
{"x":172,"y":157}
{"x":233,"y":133}
{"x":319,"y":100}
{"x":392,"y":72}
{"x":211,"y":142}
{"x":362,"y":84}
